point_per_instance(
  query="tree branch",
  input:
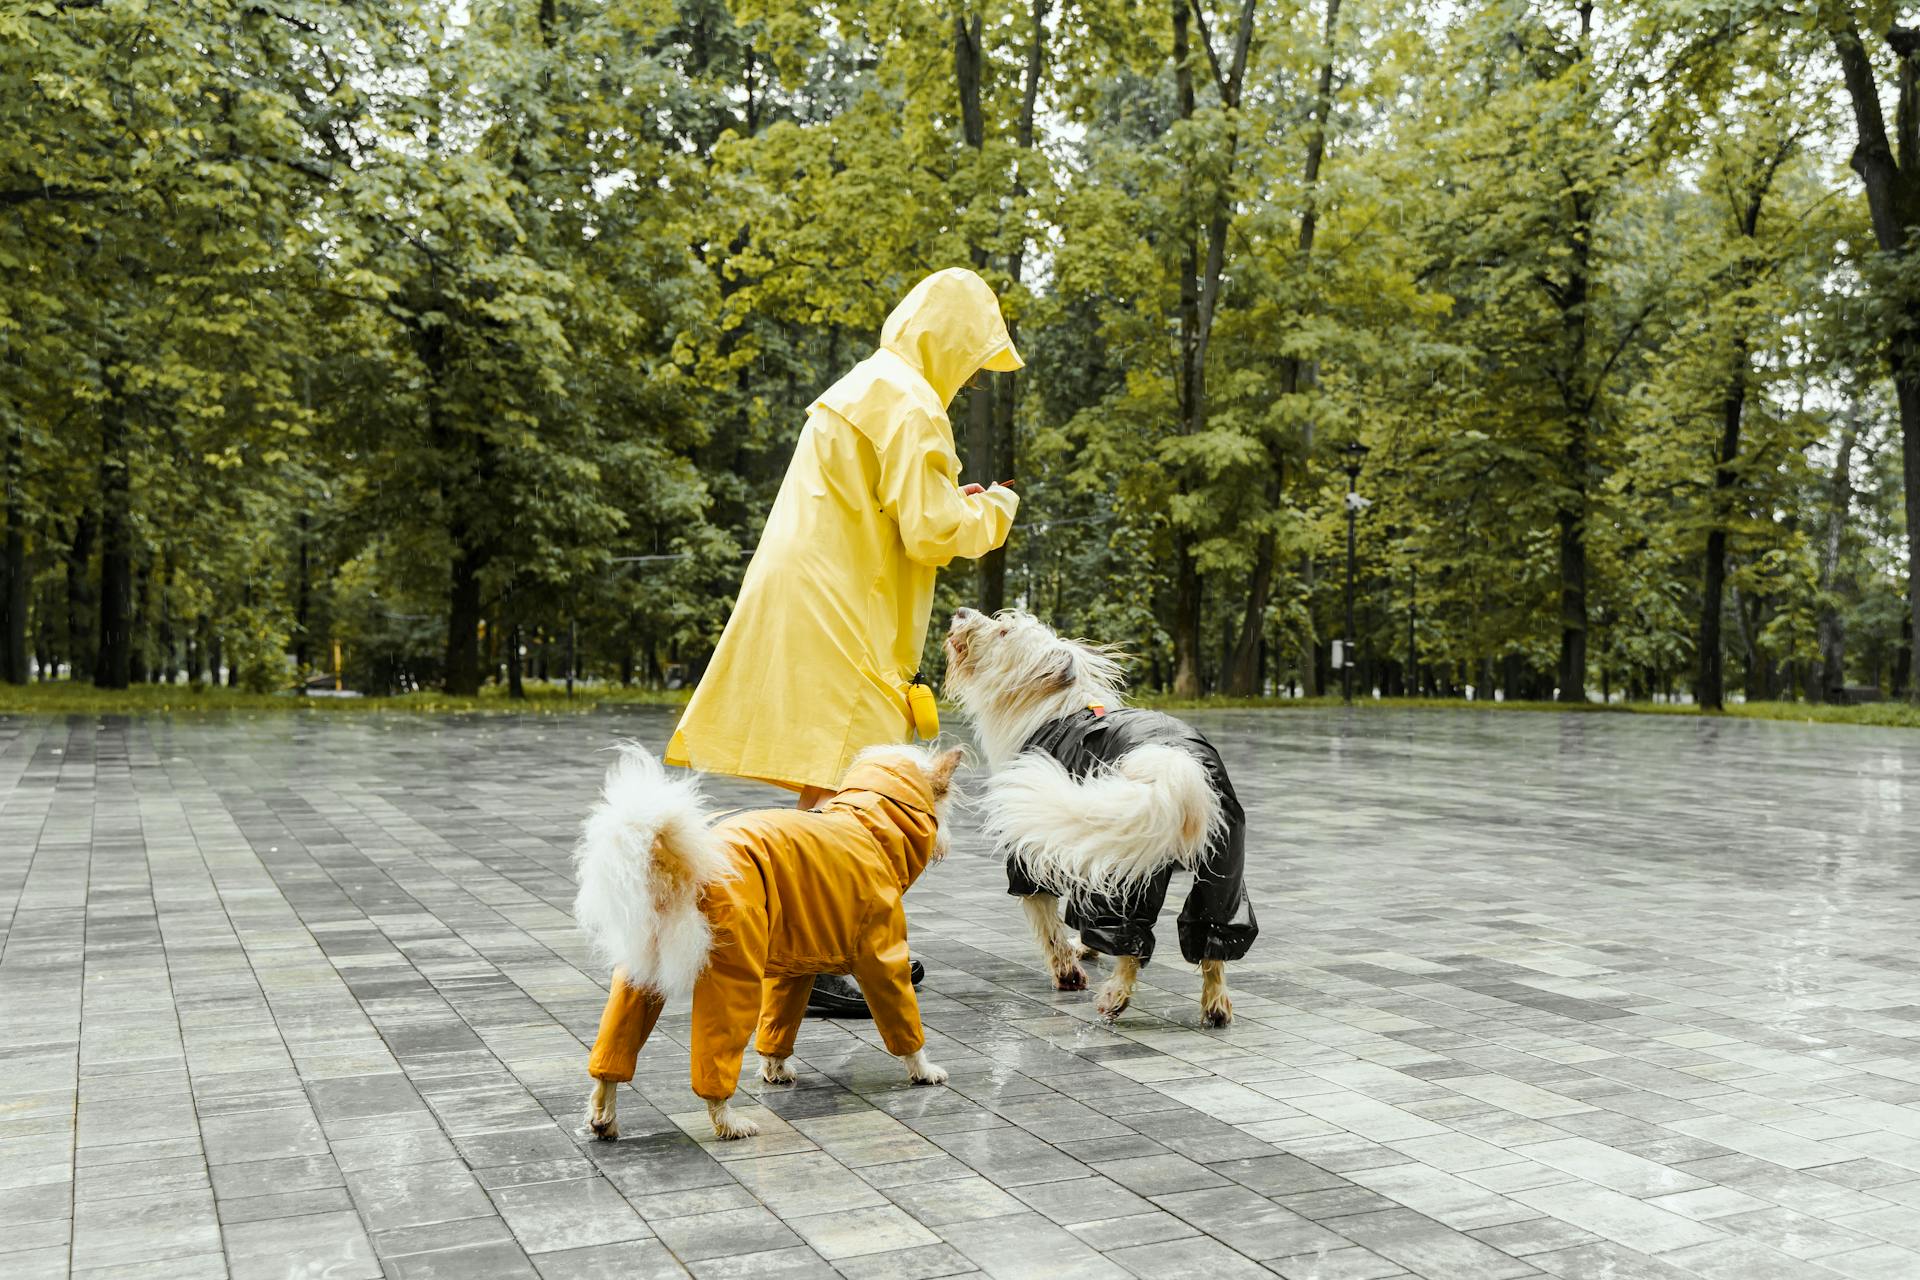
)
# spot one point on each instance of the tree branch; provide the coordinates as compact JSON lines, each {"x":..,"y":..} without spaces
{"x":1873,"y":157}
{"x":1905,"y":43}
{"x":1206,"y":42}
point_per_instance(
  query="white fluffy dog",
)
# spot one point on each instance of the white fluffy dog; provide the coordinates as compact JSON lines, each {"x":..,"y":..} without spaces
{"x":743,"y":912}
{"x":1098,"y":803}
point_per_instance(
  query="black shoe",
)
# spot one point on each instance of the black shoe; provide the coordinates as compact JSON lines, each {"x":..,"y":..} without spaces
{"x":835,"y":995}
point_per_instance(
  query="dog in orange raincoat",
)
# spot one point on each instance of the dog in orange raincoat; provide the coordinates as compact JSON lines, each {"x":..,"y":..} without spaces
{"x":743,"y":913}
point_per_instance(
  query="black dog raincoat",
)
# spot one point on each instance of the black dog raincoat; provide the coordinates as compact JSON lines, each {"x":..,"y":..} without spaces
{"x":1217,"y":921}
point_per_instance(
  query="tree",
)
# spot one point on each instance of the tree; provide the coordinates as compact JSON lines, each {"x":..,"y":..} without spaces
{"x":1889,"y":168}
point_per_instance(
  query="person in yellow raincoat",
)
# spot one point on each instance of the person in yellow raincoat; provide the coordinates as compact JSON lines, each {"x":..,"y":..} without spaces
{"x":832,"y":616}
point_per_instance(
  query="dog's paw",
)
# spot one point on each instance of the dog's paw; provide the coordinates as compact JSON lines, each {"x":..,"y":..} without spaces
{"x":775,"y":1070}
{"x":1081,"y":951}
{"x":921,"y":1071}
{"x":728,"y":1126}
{"x":600,"y":1118}
{"x":1216,"y":1013}
{"x":1073,"y":979}
{"x":1112,"y":1004}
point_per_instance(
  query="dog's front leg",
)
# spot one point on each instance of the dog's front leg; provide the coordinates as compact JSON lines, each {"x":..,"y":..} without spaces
{"x":728,"y":1125}
{"x":920,"y":1071}
{"x":1056,"y":944}
{"x":600,"y":1118}
{"x":1118,"y":993}
{"x":1215,"y":1009}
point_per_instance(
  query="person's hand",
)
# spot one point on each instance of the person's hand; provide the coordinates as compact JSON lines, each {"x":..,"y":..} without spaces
{"x":968,"y":490}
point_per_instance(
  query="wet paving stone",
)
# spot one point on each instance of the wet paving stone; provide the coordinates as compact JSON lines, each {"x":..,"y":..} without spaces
{"x":1570,"y":995}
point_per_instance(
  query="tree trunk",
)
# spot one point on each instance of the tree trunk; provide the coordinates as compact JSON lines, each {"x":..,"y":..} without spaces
{"x":1752,"y":617}
{"x":302,"y":608}
{"x":463,"y":623}
{"x":1903,"y":664}
{"x":1710,"y":689}
{"x":969,"y":66}
{"x":140,"y":650}
{"x":1243,"y":673}
{"x":1892,"y":184}
{"x":1580,"y":397}
{"x":196,"y":651}
{"x":1186,"y":602}
{"x":1200,"y":284}
{"x":1907,"y":384}
{"x":164,"y":665}
{"x":80,"y":598}
{"x":1833,"y":642}
{"x":516,"y":684}
{"x":1241,"y":679}
{"x":1573,"y":604}
{"x":238,"y":660}
{"x":1186,"y":621}
{"x":1572,"y":516}
{"x":1006,"y":451}
{"x":114,"y":666}
{"x":13,"y":571}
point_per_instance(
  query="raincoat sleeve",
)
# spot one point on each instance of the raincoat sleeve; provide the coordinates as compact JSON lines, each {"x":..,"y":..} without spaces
{"x":919,"y":489}
{"x":884,"y":971}
{"x":1217,"y":922}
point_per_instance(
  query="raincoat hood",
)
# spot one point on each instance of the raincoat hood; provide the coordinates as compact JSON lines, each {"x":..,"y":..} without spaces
{"x":949,"y":328}
{"x":897,"y":807}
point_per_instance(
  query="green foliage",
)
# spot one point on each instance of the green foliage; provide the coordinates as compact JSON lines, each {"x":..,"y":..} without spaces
{"x":421,"y":342}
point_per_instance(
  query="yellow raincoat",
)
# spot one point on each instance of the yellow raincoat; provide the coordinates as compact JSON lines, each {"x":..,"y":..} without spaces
{"x":832,"y":615}
{"x":814,"y":891}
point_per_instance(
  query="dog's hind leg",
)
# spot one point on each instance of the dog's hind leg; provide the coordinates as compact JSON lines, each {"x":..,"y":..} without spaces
{"x":1215,"y":1009}
{"x":601,"y":1122}
{"x":1056,"y":944}
{"x":1117,"y":994}
{"x":625,"y":1024}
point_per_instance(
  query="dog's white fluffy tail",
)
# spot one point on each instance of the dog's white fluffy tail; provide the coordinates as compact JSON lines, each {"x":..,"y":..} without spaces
{"x":645,"y":856}
{"x":1109,"y":831}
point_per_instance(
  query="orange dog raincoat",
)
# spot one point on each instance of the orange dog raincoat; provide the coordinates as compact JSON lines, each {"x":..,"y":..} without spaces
{"x":813,"y":892}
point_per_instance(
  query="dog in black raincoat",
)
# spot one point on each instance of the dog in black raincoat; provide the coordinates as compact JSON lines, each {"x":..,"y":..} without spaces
{"x":1096,"y":804}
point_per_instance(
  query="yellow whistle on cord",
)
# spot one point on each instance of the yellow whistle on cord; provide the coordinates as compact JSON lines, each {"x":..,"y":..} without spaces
{"x":924,"y":707}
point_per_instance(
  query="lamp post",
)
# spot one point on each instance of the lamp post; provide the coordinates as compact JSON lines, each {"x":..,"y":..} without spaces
{"x":1355,"y":451}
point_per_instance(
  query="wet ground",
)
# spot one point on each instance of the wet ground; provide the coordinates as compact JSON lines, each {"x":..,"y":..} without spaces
{"x":1580,"y":996}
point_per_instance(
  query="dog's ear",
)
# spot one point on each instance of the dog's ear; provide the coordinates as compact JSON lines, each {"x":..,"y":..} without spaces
{"x":941,"y":778}
{"x":1063,"y":671}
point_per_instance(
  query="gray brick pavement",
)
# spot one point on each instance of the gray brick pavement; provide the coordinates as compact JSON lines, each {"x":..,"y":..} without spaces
{"x":1573,"y":996}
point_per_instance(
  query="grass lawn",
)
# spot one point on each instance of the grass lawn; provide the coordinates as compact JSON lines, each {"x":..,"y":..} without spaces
{"x":61,"y":697}
{"x":1886,"y":714}
{"x":64,"y":697}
